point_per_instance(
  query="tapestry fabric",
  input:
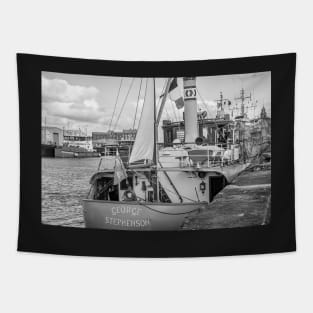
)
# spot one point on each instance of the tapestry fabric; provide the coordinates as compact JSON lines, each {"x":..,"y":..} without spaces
{"x":156,"y":159}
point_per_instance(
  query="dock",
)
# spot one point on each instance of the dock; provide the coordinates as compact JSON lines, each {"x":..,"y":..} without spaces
{"x":244,"y":202}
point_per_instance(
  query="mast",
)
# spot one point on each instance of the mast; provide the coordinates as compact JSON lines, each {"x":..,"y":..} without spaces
{"x":190,"y":115}
{"x":155,"y":180}
{"x":242,"y":97}
{"x":167,"y":88}
{"x":220,"y":106}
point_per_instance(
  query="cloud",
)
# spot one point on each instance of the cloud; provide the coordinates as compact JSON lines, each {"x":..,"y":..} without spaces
{"x":63,"y":102}
{"x":66,"y":109}
{"x":61,"y":90}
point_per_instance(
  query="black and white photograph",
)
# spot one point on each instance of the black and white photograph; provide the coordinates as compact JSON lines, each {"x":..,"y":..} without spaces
{"x":156,"y":154}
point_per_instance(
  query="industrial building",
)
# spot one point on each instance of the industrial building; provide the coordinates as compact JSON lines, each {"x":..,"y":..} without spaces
{"x":52,"y":136}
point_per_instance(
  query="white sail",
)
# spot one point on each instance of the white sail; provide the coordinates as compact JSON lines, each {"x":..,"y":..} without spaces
{"x":144,"y":144}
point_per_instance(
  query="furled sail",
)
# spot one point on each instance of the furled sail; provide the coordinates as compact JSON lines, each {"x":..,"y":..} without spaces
{"x":144,"y":144}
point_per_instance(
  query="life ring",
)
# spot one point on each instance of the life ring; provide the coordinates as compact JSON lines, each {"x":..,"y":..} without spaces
{"x":129,"y":195}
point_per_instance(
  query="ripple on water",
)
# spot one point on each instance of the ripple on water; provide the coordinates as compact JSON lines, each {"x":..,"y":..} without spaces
{"x":65,"y":182}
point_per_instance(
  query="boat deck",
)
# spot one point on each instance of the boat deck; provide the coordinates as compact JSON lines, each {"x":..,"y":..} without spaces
{"x":245,"y":202}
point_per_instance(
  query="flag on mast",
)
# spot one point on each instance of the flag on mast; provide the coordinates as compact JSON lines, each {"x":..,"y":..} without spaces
{"x":175,"y":94}
{"x":119,"y":171}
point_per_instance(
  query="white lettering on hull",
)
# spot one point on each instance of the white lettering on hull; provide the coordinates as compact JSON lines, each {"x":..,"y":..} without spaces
{"x":127,"y":222}
{"x":128,"y":217}
{"x":134,"y":211}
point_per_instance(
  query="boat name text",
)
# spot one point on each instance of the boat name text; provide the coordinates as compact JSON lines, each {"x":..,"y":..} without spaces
{"x":126,"y":222}
{"x":129,"y":210}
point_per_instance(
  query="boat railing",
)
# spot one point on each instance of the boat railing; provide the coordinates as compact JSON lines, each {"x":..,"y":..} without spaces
{"x":110,"y":152}
{"x":107,"y":162}
{"x":183,"y":163}
{"x":201,"y":160}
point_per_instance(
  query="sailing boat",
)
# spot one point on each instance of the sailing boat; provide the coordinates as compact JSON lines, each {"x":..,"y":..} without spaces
{"x":158,"y":189}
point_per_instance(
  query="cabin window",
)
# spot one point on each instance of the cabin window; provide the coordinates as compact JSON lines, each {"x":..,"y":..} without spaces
{"x":143,"y":186}
{"x":105,"y":190}
{"x":150,"y":196}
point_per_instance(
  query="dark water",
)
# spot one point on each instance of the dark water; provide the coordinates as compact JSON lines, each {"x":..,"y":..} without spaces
{"x":65,"y":182}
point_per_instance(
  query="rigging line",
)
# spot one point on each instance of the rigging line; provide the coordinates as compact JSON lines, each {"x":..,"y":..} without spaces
{"x":122,"y":108}
{"x":174,"y":111}
{"x":137,"y":103}
{"x":167,"y":114}
{"x":169,"y":98}
{"x":165,"y":109}
{"x":166,"y":189}
{"x":162,"y":94}
{"x":172,"y":192}
{"x":201,"y":102}
{"x":164,"y":212}
{"x":171,"y":101}
{"x":207,"y":106}
{"x":118,"y":93}
{"x":170,"y":181}
{"x":178,"y":115}
{"x":160,"y":98}
{"x":204,"y":103}
{"x":144,"y":100}
{"x":181,"y":115}
{"x":177,"y":111}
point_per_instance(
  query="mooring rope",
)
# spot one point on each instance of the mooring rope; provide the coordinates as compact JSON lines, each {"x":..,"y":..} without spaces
{"x":166,"y":189}
{"x":167,"y":213}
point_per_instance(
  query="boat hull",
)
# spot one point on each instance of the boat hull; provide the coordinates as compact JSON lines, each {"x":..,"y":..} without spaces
{"x":74,"y":153}
{"x":137,"y":216}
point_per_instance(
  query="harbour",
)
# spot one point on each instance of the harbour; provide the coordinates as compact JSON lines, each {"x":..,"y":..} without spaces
{"x":64,"y":187}
{"x":204,"y":171}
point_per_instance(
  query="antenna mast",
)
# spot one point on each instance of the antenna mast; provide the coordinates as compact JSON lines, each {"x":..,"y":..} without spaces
{"x":220,"y":105}
{"x":242,"y":97}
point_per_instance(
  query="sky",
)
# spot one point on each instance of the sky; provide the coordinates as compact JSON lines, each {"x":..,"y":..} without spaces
{"x":87,"y":102}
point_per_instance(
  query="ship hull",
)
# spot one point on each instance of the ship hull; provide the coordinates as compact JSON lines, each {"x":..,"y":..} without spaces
{"x":47,"y":150}
{"x":137,"y":216}
{"x":74,"y":153}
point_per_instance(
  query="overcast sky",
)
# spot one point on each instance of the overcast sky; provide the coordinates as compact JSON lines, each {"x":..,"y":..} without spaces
{"x":87,"y":102}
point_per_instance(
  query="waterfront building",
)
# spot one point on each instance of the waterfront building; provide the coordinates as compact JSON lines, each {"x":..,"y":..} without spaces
{"x":51,"y":136}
